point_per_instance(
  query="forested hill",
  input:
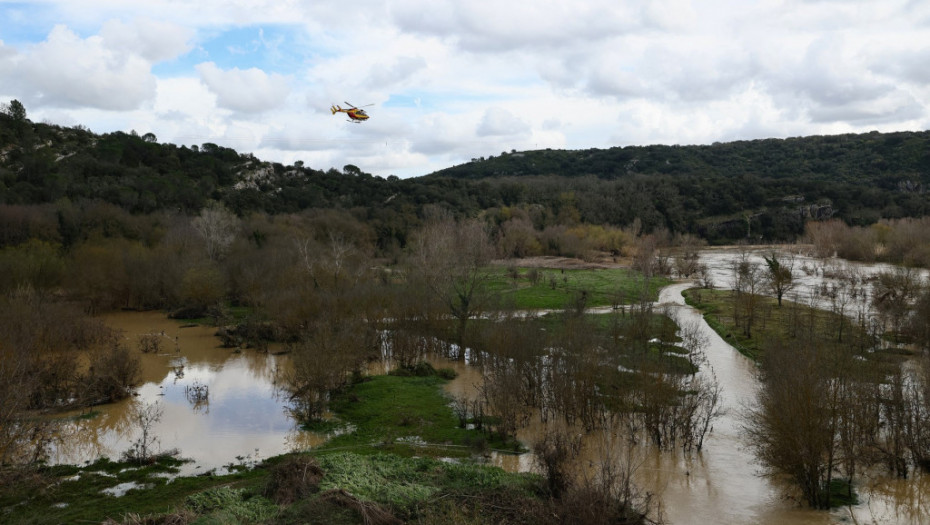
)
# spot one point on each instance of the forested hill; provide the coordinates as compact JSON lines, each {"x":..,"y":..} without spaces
{"x":885,"y":158}
{"x":764,"y":189}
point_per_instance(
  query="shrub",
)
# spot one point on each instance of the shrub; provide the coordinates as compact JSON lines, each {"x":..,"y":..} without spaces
{"x":292,"y":479}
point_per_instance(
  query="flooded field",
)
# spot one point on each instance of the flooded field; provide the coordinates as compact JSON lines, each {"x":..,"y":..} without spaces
{"x":242,"y":420}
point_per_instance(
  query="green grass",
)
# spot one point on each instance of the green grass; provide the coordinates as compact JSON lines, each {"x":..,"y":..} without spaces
{"x":404,"y":415}
{"x":69,"y":494}
{"x":402,"y":482}
{"x":712,"y":306}
{"x":236,"y":315}
{"x":787,"y":322}
{"x":556,"y":289}
{"x":381,"y":409}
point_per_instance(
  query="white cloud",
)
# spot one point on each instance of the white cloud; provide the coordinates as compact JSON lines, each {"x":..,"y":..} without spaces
{"x":249,"y":91}
{"x":487,"y":76}
{"x":494,"y":26}
{"x":401,"y":70}
{"x":498,"y":121}
{"x":66,"y":70}
{"x":151,"y":39}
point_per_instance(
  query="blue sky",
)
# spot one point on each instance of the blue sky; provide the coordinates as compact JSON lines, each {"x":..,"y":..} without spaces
{"x":454,"y":80}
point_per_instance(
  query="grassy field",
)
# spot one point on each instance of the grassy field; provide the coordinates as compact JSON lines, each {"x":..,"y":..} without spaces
{"x":70,"y":494}
{"x":405,"y":416}
{"x":785,"y":323}
{"x":550,"y":289}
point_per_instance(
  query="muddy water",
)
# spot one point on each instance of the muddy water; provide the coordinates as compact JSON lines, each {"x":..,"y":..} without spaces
{"x":241,"y":420}
{"x":723,"y":484}
{"x":809,"y":274}
{"x":726,"y":478}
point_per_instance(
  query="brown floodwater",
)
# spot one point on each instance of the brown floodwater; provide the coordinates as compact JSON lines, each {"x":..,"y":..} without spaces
{"x":242,"y":419}
{"x":723,"y":484}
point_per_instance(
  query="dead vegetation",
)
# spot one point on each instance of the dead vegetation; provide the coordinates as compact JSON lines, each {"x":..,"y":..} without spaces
{"x":295,"y":478}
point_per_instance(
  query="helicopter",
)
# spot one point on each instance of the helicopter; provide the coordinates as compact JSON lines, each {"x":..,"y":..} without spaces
{"x":355,"y":114}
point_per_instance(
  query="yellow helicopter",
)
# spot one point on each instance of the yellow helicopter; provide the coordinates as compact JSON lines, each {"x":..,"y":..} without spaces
{"x":355,"y":114}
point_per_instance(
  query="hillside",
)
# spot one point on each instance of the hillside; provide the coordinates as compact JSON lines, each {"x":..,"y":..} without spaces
{"x":762,"y":189}
{"x":888,"y":159}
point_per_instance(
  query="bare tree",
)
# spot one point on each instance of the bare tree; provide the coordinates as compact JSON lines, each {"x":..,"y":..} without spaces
{"x":893,"y":293}
{"x":218,"y":228}
{"x":688,"y":256}
{"x":145,"y":417}
{"x":323,"y":359}
{"x":451,"y":258}
{"x":556,"y":451}
{"x":747,"y":282}
{"x":791,"y":425}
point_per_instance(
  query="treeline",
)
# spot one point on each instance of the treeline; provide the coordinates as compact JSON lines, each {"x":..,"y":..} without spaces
{"x":904,"y":242}
{"x":759,"y":190}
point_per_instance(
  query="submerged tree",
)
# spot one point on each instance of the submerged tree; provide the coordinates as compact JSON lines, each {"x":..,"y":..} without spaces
{"x":779,"y":275}
{"x":792,"y":425}
{"x":450,"y":258}
{"x":144,"y":417}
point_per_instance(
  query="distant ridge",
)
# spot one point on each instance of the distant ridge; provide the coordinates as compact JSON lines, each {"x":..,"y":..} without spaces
{"x":725,"y":192}
{"x":866,"y":157}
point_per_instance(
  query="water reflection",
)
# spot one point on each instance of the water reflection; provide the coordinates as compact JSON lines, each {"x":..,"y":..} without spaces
{"x":240,"y":418}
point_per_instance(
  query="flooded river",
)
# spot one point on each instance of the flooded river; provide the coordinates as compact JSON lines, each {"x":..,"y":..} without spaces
{"x":243,"y":421}
{"x":722,"y":483}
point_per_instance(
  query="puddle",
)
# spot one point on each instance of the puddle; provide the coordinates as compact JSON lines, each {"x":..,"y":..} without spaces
{"x":121,"y":489}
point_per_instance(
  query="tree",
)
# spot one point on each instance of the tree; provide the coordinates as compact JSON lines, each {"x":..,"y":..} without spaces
{"x":218,"y":227}
{"x":145,"y":417}
{"x":790,"y":427}
{"x":16,"y":111}
{"x":747,"y":282}
{"x":451,"y":257}
{"x":779,"y":276}
{"x":323,"y":357}
{"x":893,"y":293}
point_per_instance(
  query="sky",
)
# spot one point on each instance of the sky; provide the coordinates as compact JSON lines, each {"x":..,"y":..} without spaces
{"x":454,"y":80}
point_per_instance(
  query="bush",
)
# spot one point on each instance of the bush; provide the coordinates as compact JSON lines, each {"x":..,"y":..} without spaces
{"x":293,"y":479}
{"x":370,"y":512}
{"x":113,"y":372}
